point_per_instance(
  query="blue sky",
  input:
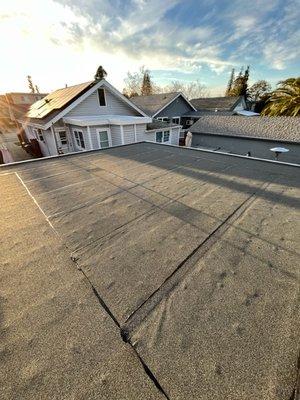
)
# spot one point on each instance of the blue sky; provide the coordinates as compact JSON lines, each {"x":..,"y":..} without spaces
{"x":63,"y":41}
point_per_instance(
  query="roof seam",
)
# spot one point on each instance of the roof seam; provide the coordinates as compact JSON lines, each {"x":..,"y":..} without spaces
{"x":174,"y":279}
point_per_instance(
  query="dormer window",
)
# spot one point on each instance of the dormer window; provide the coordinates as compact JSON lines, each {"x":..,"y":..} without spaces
{"x":101,"y":97}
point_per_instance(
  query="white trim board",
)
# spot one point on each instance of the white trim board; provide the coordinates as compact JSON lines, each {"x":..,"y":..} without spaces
{"x":106,"y":120}
{"x":108,"y":135}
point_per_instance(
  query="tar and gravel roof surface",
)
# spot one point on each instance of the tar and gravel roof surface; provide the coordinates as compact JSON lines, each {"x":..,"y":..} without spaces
{"x":192,"y":256}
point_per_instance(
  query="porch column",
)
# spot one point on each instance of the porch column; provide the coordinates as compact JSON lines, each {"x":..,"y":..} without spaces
{"x":54,"y":137}
{"x":122,"y":134}
{"x":90,"y":138}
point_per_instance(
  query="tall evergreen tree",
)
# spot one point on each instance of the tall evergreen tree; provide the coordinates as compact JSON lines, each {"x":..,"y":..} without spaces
{"x":100,"y":73}
{"x":30,"y":84}
{"x":230,"y":83}
{"x":240,"y":85}
{"x":37,"y":90}
{"x":146,"y":88}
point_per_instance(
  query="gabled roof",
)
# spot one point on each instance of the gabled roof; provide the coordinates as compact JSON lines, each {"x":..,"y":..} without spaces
{"x":155,"y":103}
{"x":220,"y":103}
{"x":54,"y":106}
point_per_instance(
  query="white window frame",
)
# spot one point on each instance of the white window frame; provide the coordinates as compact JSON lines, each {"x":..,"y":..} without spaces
{"x":75,"y":130}
{"x":163,"y":119}
{"x":57,"y":133}
{"x":189,"y":122}
{"x":104,"y":91}
{"x":176,"y":122}
{"x":98,"y":130}
{"x":39,"y":135}
{"x":163,"y":136}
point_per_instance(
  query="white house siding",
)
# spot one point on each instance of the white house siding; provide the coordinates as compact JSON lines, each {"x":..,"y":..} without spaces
{"x":129,"y":136}
{"x":116,"y":136}
{"x":140,"y":133}
{"x":151,"y":135}
{"x":86,"y":137}
{"x":94,"y":134}
{"x":114,"y":106}
{"x":175,"y":136}
{"x":50,"y":142}
{"x":44,"y":146}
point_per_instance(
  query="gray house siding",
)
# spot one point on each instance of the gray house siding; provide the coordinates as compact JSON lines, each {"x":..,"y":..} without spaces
{"x":177,"y":108}
{"x":258,"y":147}
{"x":94,"y":135}
{"x":85,"y":137}
{"x":48,"y":146}
{"x":129,"y":136}
{"x":114,"y":106}
{"x":175,"y":136}
{"x":151,"y":135}
{"x":50,"y":142}
{"x":116,"y":136}
{"x":140,"y":133}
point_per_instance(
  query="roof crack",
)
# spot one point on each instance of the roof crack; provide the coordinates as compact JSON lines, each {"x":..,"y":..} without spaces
{"x":123,"y":333}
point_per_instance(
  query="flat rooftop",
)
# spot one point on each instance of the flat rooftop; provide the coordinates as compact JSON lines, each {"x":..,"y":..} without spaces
{"x":149,"y":272}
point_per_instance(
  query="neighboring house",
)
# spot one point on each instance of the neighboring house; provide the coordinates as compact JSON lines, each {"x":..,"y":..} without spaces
{"x":210,"y":106}
{"x":17,"y":104}
{"x":89,"y":116}
{"x":241,"y":135}
{"x":167,"y":107}
{"x":4,"y":112}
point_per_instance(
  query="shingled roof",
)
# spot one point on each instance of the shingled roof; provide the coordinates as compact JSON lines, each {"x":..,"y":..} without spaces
{"x":276,"y":128}
{"x":154,"y":103}
{"x":189,"y":257}
{"x":219,"y":103}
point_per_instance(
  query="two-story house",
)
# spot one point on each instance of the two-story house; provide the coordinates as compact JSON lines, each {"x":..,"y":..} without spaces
{"x":211,"y":106}
{"x":167,"y":107}
{"x":91,"y":115}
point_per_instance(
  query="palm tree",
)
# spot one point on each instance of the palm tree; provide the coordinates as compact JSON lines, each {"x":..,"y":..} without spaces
{"x":285,"y":100}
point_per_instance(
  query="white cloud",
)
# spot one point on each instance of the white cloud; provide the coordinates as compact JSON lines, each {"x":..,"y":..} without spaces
{"x":63,"y":41}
